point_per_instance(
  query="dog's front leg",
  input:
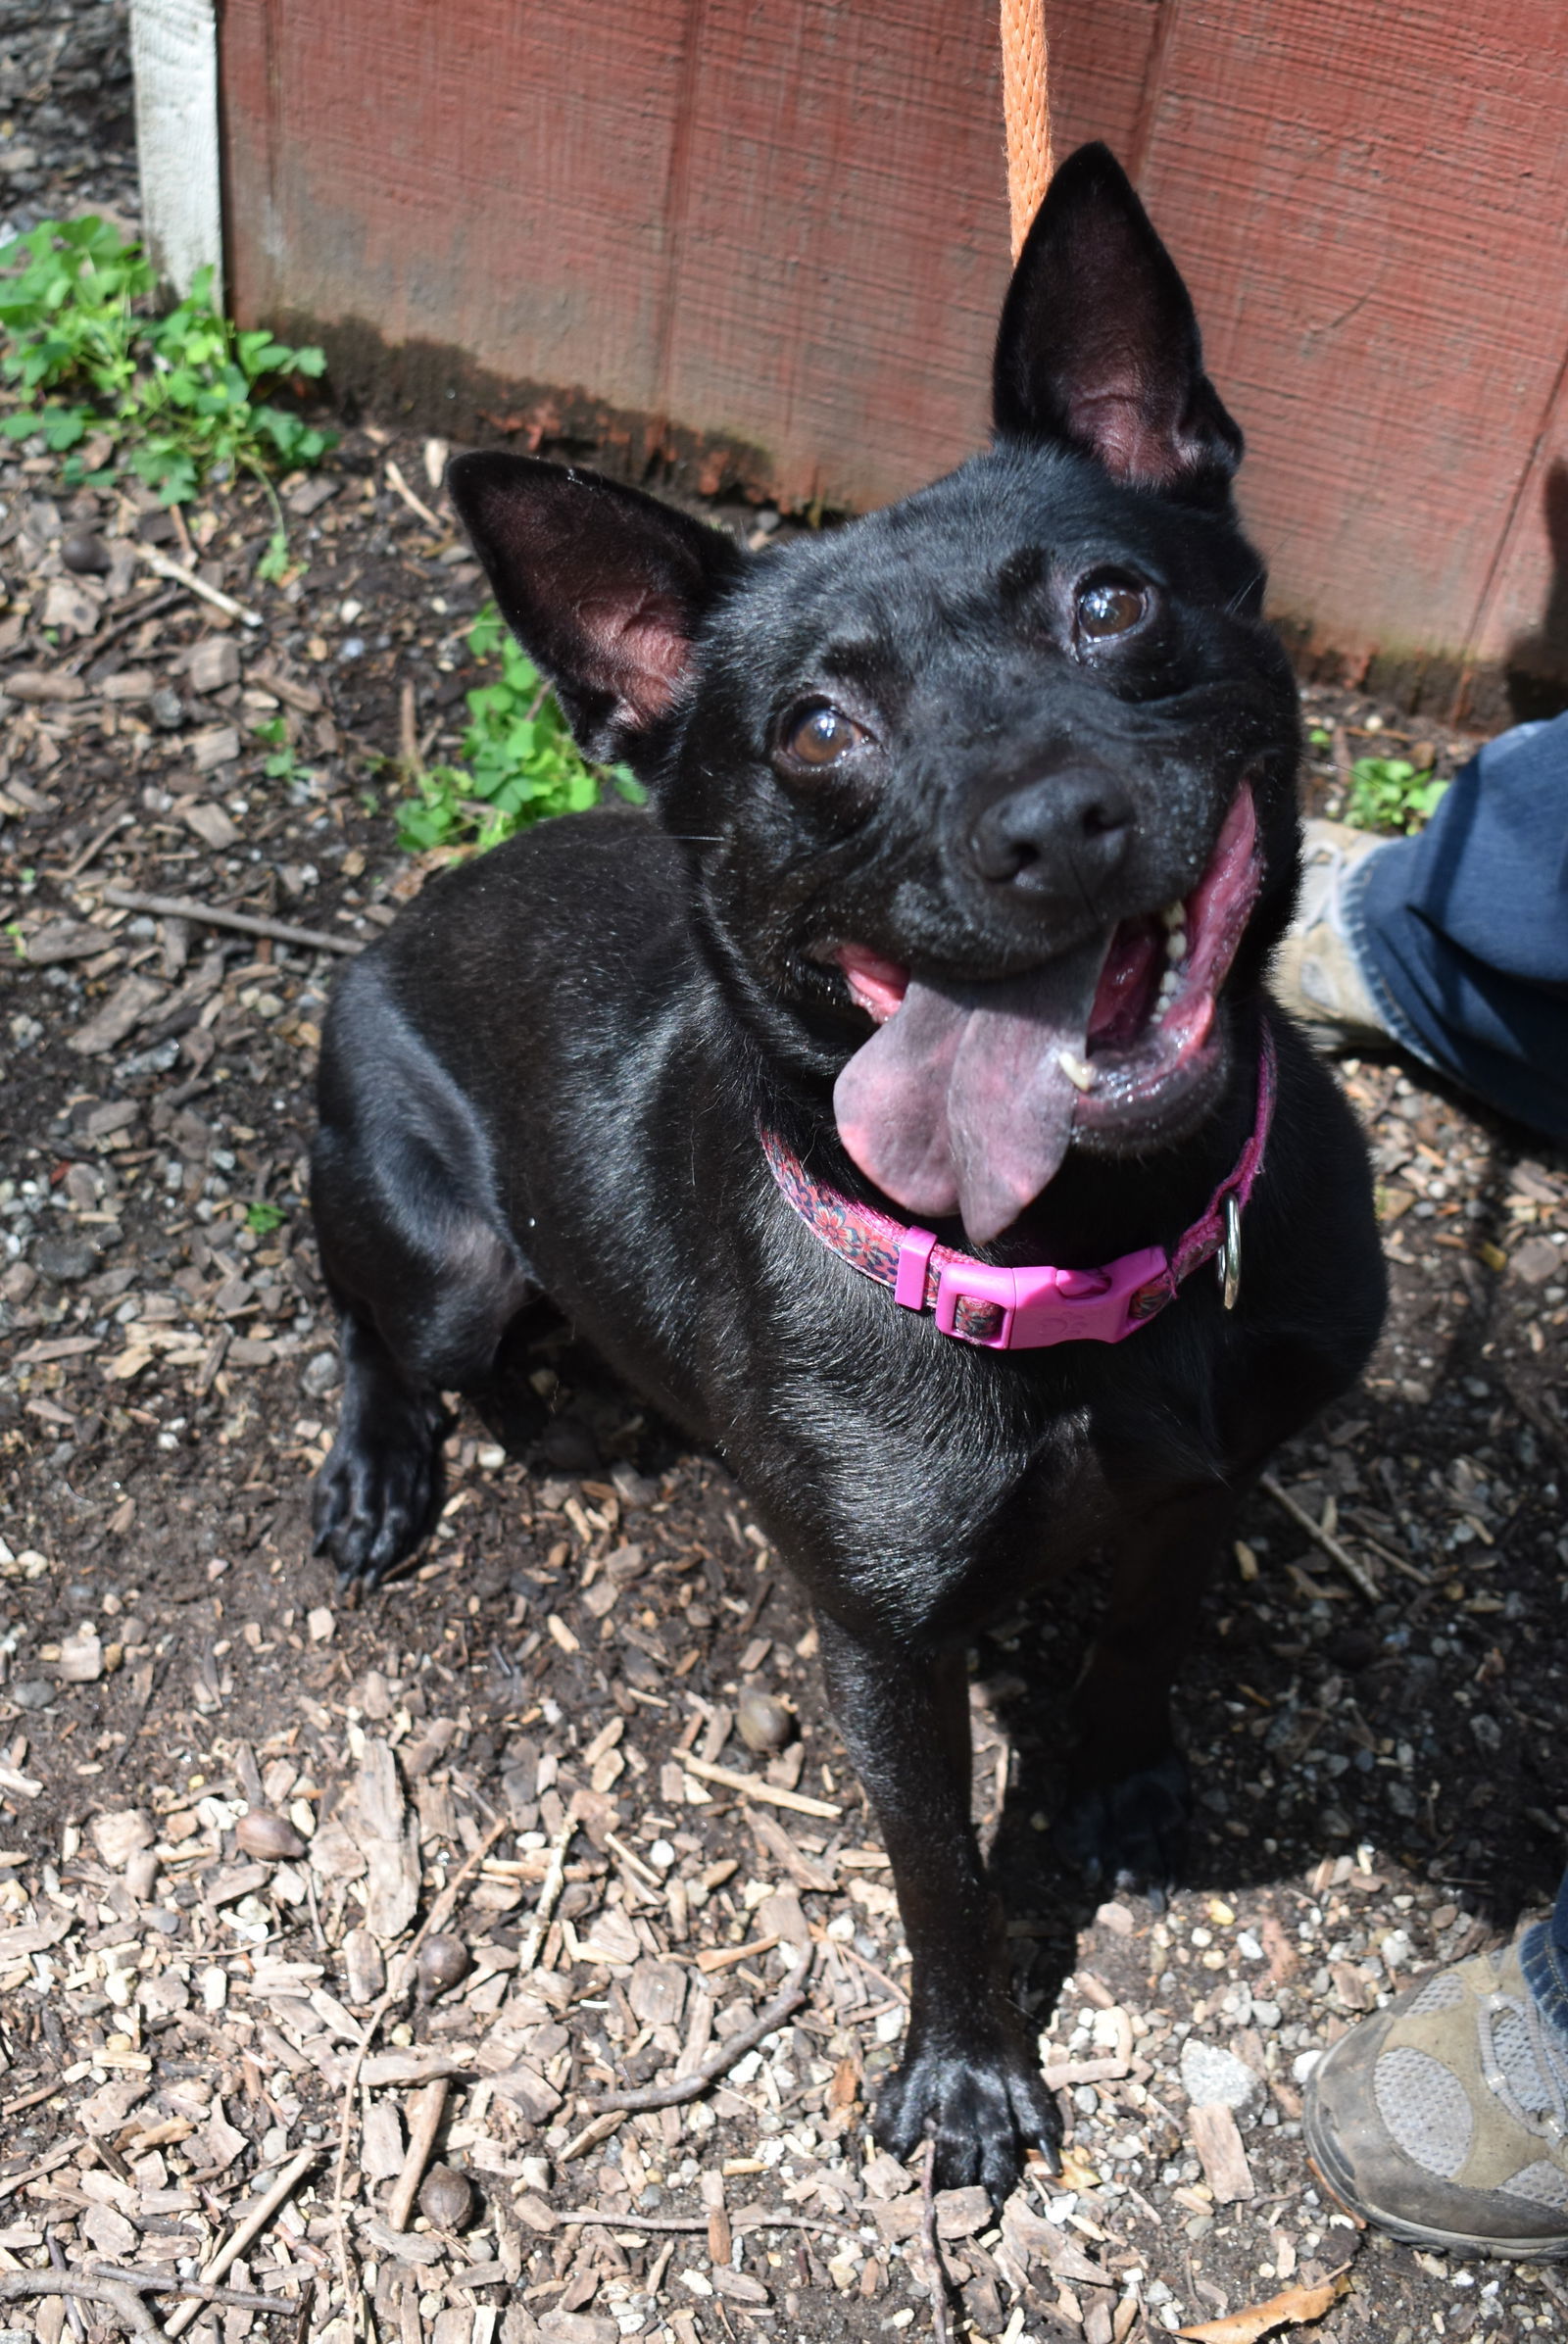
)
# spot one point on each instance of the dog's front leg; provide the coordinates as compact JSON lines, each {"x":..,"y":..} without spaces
{"x":968,"y":2074}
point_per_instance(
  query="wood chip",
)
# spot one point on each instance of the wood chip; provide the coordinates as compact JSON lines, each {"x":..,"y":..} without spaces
{"x":1213,"y":2134}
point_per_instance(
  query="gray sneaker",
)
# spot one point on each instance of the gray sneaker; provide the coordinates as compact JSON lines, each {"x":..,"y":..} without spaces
{"x":1444,"y":2118}
{"x":1315,"y":972}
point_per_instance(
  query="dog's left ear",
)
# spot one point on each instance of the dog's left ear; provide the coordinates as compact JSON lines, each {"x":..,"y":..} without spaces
{"x":603,"y":587}
{"x":1098,"y":344}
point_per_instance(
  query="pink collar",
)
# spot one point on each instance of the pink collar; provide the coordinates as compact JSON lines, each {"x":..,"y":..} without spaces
{"x":1025,"y":1309}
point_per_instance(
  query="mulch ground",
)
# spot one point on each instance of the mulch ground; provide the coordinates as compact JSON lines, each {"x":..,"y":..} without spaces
{"x":229,"y":1804}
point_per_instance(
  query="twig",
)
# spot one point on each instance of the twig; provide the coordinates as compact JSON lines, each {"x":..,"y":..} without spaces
{"x":790,"y":1996}
{"x":1356,"y":1572}
{"x":234,"y":2298}
{"x":928,"y":2234}
{"x":1386,"y":1554}
{"x":306,"y":2305}
{"x":57,"y":2261}
{"x":407,"y":731}
{"x":162,"y":568}
{"x":152,"y":608}
{"x":245,"y":923}
{"x":94,"y":846}
{"x":598,"y":2129}
{"x":132,"y":2313}
{"x":549,"y":1894}
{"x":424,"y":2122}
{"x":256,"y":2221}
{"x":1532,"y":1409}
{"x":396,"y":482}
{"x":436,"y":1918}
{"x":644,"y":1874}
{"x":889,"y":1985}
{"x":745,"y":2220}
{"x":752,"y":1786}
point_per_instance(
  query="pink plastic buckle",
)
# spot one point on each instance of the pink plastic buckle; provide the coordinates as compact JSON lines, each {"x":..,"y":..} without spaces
{"x":1041,"y":1305}
{"x":914,"y":1254}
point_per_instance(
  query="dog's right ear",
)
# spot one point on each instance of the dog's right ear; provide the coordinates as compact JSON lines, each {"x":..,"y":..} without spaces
{"x":603,"y":587}
{"x":1098,"y":345}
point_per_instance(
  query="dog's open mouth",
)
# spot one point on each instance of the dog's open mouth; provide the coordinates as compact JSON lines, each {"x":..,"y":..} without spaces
{"x":966,"y":1097}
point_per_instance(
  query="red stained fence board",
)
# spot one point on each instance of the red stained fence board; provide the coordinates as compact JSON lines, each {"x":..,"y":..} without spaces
{"x":780,"y":227}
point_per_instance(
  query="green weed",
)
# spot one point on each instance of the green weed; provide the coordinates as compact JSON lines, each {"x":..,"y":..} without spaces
{"x":179,"y":399}
{"x":283,"y":764}
{"x":262,"y":1219}
{"x":520,"y":762}
{"x":1389,"y":792}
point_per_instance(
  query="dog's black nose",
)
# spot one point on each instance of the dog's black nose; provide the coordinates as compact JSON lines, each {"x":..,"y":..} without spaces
{"x":1063,"y":835}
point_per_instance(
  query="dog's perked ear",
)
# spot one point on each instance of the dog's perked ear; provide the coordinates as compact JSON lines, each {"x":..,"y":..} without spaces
{"x":603,"y":587}
{"x":1098,"y":344}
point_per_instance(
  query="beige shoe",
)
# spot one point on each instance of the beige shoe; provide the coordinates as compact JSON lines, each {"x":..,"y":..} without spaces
{"x":1315,"y":973}
{"x":1444,"y":2118}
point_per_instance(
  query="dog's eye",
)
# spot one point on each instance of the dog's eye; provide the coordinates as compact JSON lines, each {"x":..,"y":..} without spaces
{"x":821,"y":737}
{"x":1109,"y":607}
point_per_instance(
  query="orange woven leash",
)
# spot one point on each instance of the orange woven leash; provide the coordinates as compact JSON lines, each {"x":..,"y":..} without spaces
{"x":1026,"y":103}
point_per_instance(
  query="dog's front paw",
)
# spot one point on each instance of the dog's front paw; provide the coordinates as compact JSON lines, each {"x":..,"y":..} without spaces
{"x":1132,"y":1830}
{"x":378,"y":1493}
{"x":985,"y":2108}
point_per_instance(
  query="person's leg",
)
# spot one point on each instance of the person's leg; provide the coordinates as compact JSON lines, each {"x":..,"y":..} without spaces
{"x":1462,"y":931}
{"x":1445,"y":2118}
{"x":1455,"y":942}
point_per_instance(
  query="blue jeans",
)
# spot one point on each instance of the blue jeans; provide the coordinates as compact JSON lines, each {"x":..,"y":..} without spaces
{"x":1462,"y":932}
{"x":1543,"y":1958}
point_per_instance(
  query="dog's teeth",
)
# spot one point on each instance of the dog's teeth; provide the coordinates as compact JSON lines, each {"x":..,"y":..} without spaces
{"x":1078,"y":1070}
{"x":1176,"y":944}
{"x":1174,"y":915}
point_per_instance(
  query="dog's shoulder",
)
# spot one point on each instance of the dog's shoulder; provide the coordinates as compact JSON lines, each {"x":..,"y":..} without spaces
{"x":581,"y":891}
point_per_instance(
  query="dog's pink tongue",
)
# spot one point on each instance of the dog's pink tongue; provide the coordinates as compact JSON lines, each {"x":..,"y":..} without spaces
{"x":960,"y":1102}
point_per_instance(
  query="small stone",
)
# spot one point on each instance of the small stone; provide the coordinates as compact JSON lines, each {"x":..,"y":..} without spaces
{"x":763,"y":1721}
{"x":320,"y":1375}
{"x":85,"y":553}
{"x":262,"y":1833}
{"x":1213,"y":2076}
{"x":446,"y":2198}
{"x":64,"y":1259}
{"x":168,"y":708}
{"x":442,"y":1963}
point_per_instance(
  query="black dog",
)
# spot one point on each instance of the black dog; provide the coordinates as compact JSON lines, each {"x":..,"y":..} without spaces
{"x":977,"y":828}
